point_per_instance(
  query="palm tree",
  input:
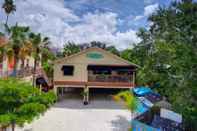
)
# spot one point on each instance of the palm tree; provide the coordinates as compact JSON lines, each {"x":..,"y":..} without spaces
{"x":128,"y":100}
{"x":5,"y":50}
{"x":25,"y":51}
{"x":18,"y":41}
{"x":38,"y":45}
{"x":8,"y":7}
{"x":2,"y":50}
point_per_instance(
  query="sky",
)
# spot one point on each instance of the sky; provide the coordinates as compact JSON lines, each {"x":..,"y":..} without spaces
{"x":114,"y":22}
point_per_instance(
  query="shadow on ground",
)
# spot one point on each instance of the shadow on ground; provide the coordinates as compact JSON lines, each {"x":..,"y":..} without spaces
{"x":94,"y":104}
{"x":99,"y":99}
{"x":120,"y":124}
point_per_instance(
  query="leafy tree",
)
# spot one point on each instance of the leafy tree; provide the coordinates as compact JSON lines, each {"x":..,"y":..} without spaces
{"x":20,"y":103}
{"x":167,"y":55}
{"x":48,"y":68}
{"x":70,"y":48}
{"x":97,"y":44}
{"x":47,"y":60}
{"x":113,"y":50}
{"x":8,"y":7}
{"x":130,"y":55}
{"x":176,"y":27}
{"x":93,"y":44}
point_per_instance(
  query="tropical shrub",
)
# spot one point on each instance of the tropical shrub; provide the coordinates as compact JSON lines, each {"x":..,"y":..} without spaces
{"x":21,"y":103}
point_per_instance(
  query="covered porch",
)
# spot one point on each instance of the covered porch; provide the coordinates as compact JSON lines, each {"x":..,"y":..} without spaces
{"x":111,"y":73}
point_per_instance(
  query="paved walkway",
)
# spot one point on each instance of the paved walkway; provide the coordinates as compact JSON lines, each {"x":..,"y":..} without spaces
{"x":71,"y":115}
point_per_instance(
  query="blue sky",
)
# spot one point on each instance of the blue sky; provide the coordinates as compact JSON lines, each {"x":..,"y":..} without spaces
{"x":127,"y":10}
{"x":112,"y":21}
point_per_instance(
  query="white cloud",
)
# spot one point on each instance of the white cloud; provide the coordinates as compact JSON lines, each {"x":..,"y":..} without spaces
{"x":52,"y":19}
{"x":148,"y":10}
{"x":126,"y":39}
{"x":100,"y":27}
{"x":138,"y":17}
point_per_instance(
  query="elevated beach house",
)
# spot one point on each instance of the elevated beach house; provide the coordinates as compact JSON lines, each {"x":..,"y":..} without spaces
{"x":93,"y":68}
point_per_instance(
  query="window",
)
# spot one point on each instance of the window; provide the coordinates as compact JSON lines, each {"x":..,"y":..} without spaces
{"x":67,"y":70}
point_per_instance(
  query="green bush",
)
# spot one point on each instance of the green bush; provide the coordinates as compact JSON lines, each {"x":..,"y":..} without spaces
{"x":20,"y":102}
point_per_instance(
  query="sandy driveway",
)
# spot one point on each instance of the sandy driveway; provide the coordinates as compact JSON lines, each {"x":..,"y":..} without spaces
{"x":71,"y":115}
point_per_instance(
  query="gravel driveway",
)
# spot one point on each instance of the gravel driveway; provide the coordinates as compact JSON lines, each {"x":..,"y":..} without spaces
{"x":72,"y":115}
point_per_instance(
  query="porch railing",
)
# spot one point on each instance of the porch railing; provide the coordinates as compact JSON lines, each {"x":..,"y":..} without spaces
{"x":109,"y":78}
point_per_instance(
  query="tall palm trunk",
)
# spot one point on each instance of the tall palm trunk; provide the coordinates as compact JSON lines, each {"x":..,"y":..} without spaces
{"x":6,"y":22}
{"x":34,"y":72}
{"x":34,"y":69}
{"x":16,"y":60}
{"x":4,"y":70}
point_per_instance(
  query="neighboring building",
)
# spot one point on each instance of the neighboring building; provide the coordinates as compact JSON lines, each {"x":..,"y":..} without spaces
{"x":93,"y":68}
{"x":24,"y":68}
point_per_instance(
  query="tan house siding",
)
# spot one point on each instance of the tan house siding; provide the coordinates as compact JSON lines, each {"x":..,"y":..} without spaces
{"x":80,"y":72}
{"x":80,"y":63}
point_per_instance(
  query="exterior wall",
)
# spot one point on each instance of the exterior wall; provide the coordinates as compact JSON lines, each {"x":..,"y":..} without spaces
{"x":80,"y":64}
{"x":80,"y":72}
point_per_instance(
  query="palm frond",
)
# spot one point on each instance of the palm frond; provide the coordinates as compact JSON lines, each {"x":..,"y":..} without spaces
{"x":127,"y":99}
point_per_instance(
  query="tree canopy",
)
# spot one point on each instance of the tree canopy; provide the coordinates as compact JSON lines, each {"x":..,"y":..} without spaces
{"x":20,"y":103}
{"x":167,"y":55}
{"x":72,"y":48}
{"x":9,"y":7}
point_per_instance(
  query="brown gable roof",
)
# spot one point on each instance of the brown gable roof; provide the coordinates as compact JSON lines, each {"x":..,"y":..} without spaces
{"x":99,"y":49}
